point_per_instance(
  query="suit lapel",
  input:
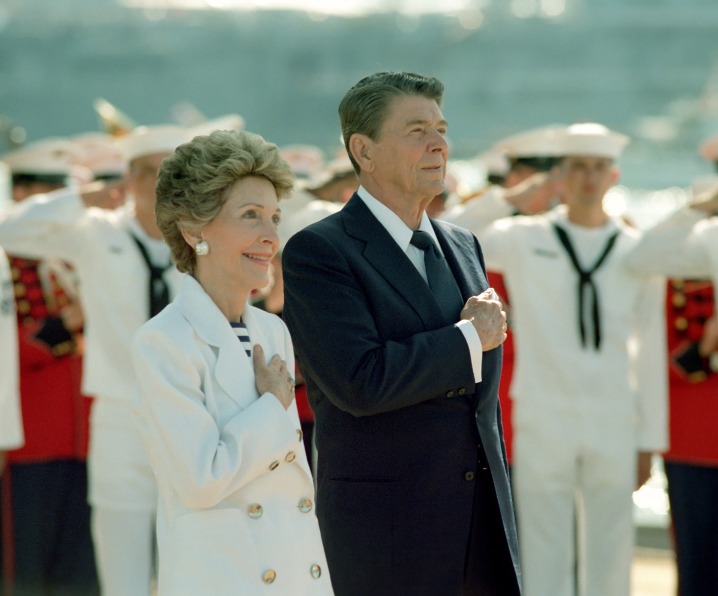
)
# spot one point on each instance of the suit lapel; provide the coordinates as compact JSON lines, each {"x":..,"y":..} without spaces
{"x":456,"y":247}
{"x":385,"y":255}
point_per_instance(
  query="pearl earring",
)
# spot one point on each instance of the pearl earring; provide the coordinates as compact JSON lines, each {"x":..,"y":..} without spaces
{"x":201,"y":248}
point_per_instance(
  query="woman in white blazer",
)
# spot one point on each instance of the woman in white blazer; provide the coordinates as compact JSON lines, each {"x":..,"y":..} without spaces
{"x":236,"y":498}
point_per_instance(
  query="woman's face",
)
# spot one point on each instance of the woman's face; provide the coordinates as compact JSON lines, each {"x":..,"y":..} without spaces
{"x":243,"y":237}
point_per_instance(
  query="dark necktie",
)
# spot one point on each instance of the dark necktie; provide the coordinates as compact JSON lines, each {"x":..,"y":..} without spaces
{"x":441,"y":281}
{"x":585,"y":279}
{"x":159,"y":294}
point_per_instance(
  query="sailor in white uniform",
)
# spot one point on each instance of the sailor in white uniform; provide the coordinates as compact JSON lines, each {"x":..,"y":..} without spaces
{"x":126,"y":276}
{"x":590,"y":379}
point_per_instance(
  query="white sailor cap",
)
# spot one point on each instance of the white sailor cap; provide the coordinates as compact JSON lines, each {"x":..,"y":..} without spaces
{"x":227,"y":122}
{"x":52,"y":156}
{"x":591,"y":138}
{"x":54,"y":160}
{"x":709,"y":148}
{"x":101,"y":154}
{"x":148,"y":140}
{"x":537,"y":142}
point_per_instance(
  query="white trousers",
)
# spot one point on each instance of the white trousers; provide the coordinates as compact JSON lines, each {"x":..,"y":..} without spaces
{"x":124,"y":551}
{"x":123,"y":496}
{"x":574,"y":472}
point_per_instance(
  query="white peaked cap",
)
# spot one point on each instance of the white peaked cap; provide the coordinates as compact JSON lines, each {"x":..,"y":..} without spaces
{"x":53,"y":156}
{"x":537,"y":142}
{"x":227,"y":122}
{"x":101,"y":153}
{"x":148,"y":140}
{"x":591,"y":138}
{"x":709,"y":148}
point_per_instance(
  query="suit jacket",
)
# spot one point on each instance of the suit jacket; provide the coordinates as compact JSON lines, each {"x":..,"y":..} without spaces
{"x":235,"y":490}
{"x":398,"y":415}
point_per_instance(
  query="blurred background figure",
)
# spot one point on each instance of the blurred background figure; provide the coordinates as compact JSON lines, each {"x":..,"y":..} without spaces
{"x":590,"y":383}
{"x":683,"y":245}
{"x":519,"y":167}
{"x":126,"y":277}
{"x":46,"y":519}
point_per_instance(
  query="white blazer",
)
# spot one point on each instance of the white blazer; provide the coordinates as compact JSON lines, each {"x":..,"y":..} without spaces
{"x":113,"y":277}
{"x":236,"y":498}
{"x":11,"y":432}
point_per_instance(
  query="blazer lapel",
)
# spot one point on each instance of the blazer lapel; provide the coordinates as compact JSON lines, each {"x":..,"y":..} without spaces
{"x":385,"y":255}
{"x":233,"y":370}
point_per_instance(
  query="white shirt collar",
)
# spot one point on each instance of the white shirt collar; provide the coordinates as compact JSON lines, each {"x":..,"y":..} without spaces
{"x":397,"y":229}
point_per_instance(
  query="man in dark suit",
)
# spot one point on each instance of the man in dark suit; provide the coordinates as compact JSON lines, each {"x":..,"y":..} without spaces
{"x":401,"y":356}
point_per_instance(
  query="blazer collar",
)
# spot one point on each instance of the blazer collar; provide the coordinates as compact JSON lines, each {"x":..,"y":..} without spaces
{"x":385,"y":255}
{"x":233,"y":367}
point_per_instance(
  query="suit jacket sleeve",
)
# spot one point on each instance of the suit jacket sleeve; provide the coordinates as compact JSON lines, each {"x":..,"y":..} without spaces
{"x":363,"y":347}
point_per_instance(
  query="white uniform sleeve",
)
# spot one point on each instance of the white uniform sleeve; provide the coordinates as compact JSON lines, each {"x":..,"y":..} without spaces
{"x":649,"y":367}
{"x":672,"y":247}
{"x":46,"y":225}
{"x":479,"y":213}
{"x":11,"y":432}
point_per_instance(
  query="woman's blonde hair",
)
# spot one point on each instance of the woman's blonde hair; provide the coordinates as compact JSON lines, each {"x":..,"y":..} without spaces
{"x":193,"y":183}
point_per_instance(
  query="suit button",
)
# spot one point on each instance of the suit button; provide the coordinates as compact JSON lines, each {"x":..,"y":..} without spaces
{"x":462,"y":391}
{"x":274,"y":465}
{"x":469,"y":476}
{"x":255,"y":510}
{"x":269,"y":576}
{"x":316,"y":571}
{"x":305,"y":505}
{"x":450,"y":394}
{"x":300,"y":434}
{"x":290,"y":457}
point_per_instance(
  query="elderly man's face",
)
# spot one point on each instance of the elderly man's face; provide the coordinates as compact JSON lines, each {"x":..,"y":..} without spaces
{"x":409,"y":156}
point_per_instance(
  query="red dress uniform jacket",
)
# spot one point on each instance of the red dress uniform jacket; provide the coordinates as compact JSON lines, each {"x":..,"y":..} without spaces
{"x":55,"y":414}
{"x":693,"y":387}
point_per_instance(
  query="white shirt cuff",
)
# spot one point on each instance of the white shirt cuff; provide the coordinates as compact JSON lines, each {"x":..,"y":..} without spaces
{"x":475,"y":349}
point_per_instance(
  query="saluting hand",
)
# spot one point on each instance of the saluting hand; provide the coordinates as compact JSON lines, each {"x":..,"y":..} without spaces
{"x":488,"y":318}
{"x":273,"y":377}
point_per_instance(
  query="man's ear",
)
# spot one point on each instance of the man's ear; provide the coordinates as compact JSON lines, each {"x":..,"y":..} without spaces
{"x":361,"y":148}
{"x":615,"y":175}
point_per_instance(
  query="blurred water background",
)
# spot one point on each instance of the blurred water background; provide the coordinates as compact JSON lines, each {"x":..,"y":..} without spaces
{"x":648,"y":68}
